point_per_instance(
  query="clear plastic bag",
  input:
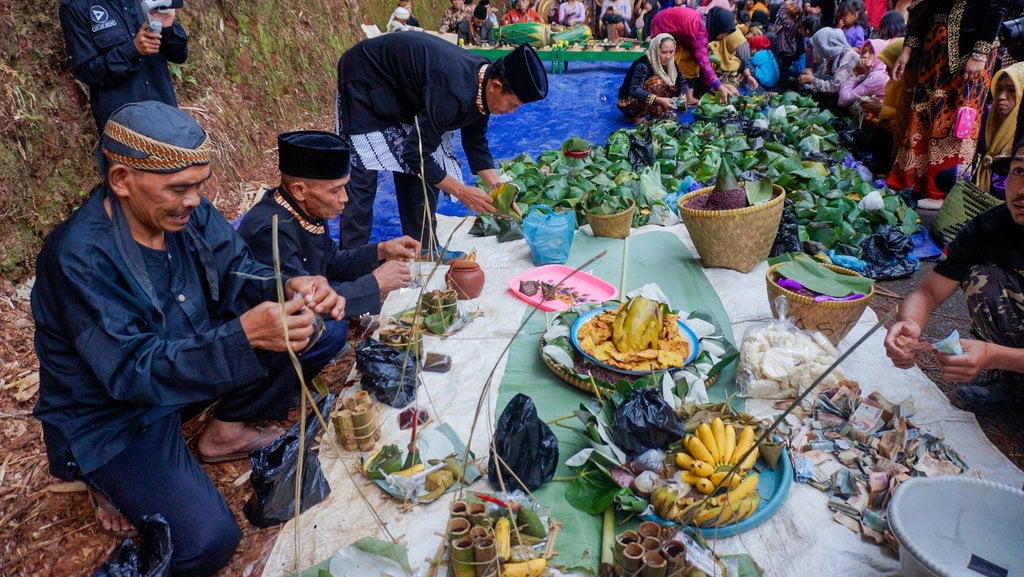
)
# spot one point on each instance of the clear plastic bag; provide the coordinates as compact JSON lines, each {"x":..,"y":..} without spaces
{"x":779,"y":361}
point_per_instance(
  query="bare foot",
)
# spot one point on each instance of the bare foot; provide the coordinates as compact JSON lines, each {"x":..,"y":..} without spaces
{"x":108,"y":517}
{"x":228,"y":441}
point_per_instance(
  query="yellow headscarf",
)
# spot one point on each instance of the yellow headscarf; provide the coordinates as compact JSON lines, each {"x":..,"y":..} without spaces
{"x":667,"y":76}
{"x":725,"y":50}
{"x":999,"y":131}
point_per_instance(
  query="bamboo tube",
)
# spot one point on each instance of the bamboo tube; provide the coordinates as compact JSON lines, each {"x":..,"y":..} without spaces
{"x":362,"y":399}
{"x":477,"y":512}
{"x":675,"y":552}
{"x":632,"y":560}
{"x":461,"y":558}
{"x":348,"y":403}
{"x":458,"y":509}
{"x":479,"y":532}
{"x":458,"y":527}
{"x":344,"y":430}
{"x":485,"y":557}
{"x":654,"y":565}
{"x":363,"y":429}
{"x":651,"y":544}
{"x":649,"y":529}
{"x":625,"y":538}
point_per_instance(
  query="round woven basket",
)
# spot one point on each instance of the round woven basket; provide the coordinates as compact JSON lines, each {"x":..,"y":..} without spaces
{"x":612,"y":225}
{"x":834,"y":319}
{"x":736,"y":239}
{"x":585,"y":385}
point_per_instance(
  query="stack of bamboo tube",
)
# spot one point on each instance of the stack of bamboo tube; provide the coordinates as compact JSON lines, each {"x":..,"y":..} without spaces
{"x":356,"y":426}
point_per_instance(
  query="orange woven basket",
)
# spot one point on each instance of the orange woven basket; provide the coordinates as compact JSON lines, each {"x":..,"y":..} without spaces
{"x":834,"y":319}
{"x":737,"y":239}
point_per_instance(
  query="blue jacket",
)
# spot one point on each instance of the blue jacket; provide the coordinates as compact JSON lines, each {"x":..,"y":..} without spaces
{"x":307,"y":253}
{"x":113,"y":356}
{"x":764,"y":68}
{"x":99,"y":36}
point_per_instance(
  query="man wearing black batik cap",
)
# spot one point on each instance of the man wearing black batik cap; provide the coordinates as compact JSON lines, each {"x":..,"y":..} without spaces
{"x":148,"y":307}
{"x":400,"y":98}
{"x":314,"y":172}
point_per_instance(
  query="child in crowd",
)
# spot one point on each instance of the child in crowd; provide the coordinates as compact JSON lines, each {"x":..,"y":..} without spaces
{"x":762,"y":61}
{"x":521,"y":11}
{"x":853,"y":21}
{"x":892,"y":25}
{"x":868,"y":78}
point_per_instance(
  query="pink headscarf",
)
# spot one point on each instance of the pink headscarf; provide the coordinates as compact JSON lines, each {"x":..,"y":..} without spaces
{"x":877,"y":45}
{"x":713,"y":4}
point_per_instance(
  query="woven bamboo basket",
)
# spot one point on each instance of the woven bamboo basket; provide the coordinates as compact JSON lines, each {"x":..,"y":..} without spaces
{"x":612,"y":225}
{"x":834,"y":319}
{"x":736,"y":239}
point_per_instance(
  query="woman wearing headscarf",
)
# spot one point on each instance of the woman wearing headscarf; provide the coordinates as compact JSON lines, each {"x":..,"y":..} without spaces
{"x":652,"y":82}
{"x":686,"y":26}
{"x":948,"y":60}
{"x":1001,"y":129}
{"x":834,"y":62}
{"x":868,"y":78}
{"x":730,"y":55}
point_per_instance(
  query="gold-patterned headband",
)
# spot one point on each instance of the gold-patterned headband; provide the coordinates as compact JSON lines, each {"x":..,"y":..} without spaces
{"x":158,"y":156}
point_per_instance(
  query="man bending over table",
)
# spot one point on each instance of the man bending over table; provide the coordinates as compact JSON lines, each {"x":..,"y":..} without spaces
{"x":148,"y":307}
{"x":987,"y":261}
{"x":314,"y":174}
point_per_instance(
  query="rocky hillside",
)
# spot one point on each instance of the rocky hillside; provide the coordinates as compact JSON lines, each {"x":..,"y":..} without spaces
{"x":256,"y":67}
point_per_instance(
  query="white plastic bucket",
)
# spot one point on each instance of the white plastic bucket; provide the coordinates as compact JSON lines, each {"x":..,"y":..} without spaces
{"x":958,"y":527}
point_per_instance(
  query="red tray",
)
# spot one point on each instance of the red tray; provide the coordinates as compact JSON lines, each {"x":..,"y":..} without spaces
{"x":580,"y":287}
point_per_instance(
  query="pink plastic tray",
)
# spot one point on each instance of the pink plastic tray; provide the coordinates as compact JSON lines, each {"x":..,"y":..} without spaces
{"x":581,"y":287}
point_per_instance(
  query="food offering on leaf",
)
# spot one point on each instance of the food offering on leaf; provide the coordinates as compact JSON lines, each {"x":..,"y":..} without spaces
{"x":496,"y":536}
{"x":504,"y":197}
{"x":707,"y":461}
{"x":637,"y":336}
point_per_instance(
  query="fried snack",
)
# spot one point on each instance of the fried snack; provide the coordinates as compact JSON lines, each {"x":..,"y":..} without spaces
{"x":595,"y":339}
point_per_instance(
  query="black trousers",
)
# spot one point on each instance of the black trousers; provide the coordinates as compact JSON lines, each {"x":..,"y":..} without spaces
{"x":157,"y":473}
{"x":415,"y":208}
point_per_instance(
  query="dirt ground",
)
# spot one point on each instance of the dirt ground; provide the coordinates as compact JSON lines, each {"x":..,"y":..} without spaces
{"x":48,"y":528}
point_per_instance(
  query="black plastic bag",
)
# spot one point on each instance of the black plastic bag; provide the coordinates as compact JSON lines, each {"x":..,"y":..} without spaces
{"x":526,"y":445}
{"x":787,"y":239}
{"x":888,"y":254}
{"x":641,"y":151}
{"x":275,"y":467}
{"x":644,"y":421}
{"x":151,"y":558}
{"x":484,"y":225}
{"x":389,"y":373}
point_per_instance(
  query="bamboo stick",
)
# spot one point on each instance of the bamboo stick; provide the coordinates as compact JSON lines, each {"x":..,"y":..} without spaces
{"x":625,"y":263}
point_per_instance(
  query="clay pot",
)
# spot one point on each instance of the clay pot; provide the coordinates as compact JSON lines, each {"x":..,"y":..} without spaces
{"x":466,"y":278}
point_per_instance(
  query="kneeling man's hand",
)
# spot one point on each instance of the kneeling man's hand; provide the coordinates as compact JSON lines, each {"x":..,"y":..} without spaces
{"x":964,"y":368}
{"x":317,"y":294}
{"x":392,"y":275}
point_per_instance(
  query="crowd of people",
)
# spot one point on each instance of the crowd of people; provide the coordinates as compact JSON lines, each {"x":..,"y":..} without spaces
{"x":149,"y":306}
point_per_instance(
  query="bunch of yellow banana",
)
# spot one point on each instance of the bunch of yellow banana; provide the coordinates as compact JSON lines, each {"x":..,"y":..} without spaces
{"x":669,"y":502}
{"x":712,"y":453}
{"x":637,"y":325}
{"x":734,"y":506}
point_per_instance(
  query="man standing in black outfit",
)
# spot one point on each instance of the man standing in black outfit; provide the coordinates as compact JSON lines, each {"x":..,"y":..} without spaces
{"x":401,"y":96}
{"x":114,"y":51}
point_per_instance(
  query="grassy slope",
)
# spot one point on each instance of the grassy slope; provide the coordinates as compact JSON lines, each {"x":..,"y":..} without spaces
{"x":256,"y":68}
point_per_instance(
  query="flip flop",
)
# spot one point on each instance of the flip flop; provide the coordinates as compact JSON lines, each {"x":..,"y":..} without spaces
{"x":266,"y":436}
{"x":100,"y":502}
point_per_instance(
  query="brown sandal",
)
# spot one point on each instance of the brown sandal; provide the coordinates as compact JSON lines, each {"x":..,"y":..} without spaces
{"x":100,"y":503}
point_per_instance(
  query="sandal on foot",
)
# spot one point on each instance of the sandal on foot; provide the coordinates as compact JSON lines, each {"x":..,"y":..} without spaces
{"x":265,"y":436}
{"x":100,"y":503}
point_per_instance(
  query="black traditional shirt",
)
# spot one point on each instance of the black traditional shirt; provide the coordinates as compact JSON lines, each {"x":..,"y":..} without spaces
{"x":306,"y":249}
{"x":401,"y":78}
{"x":990,"y":237}
{"x":99,"y":36}
{"x":114,"y":353}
